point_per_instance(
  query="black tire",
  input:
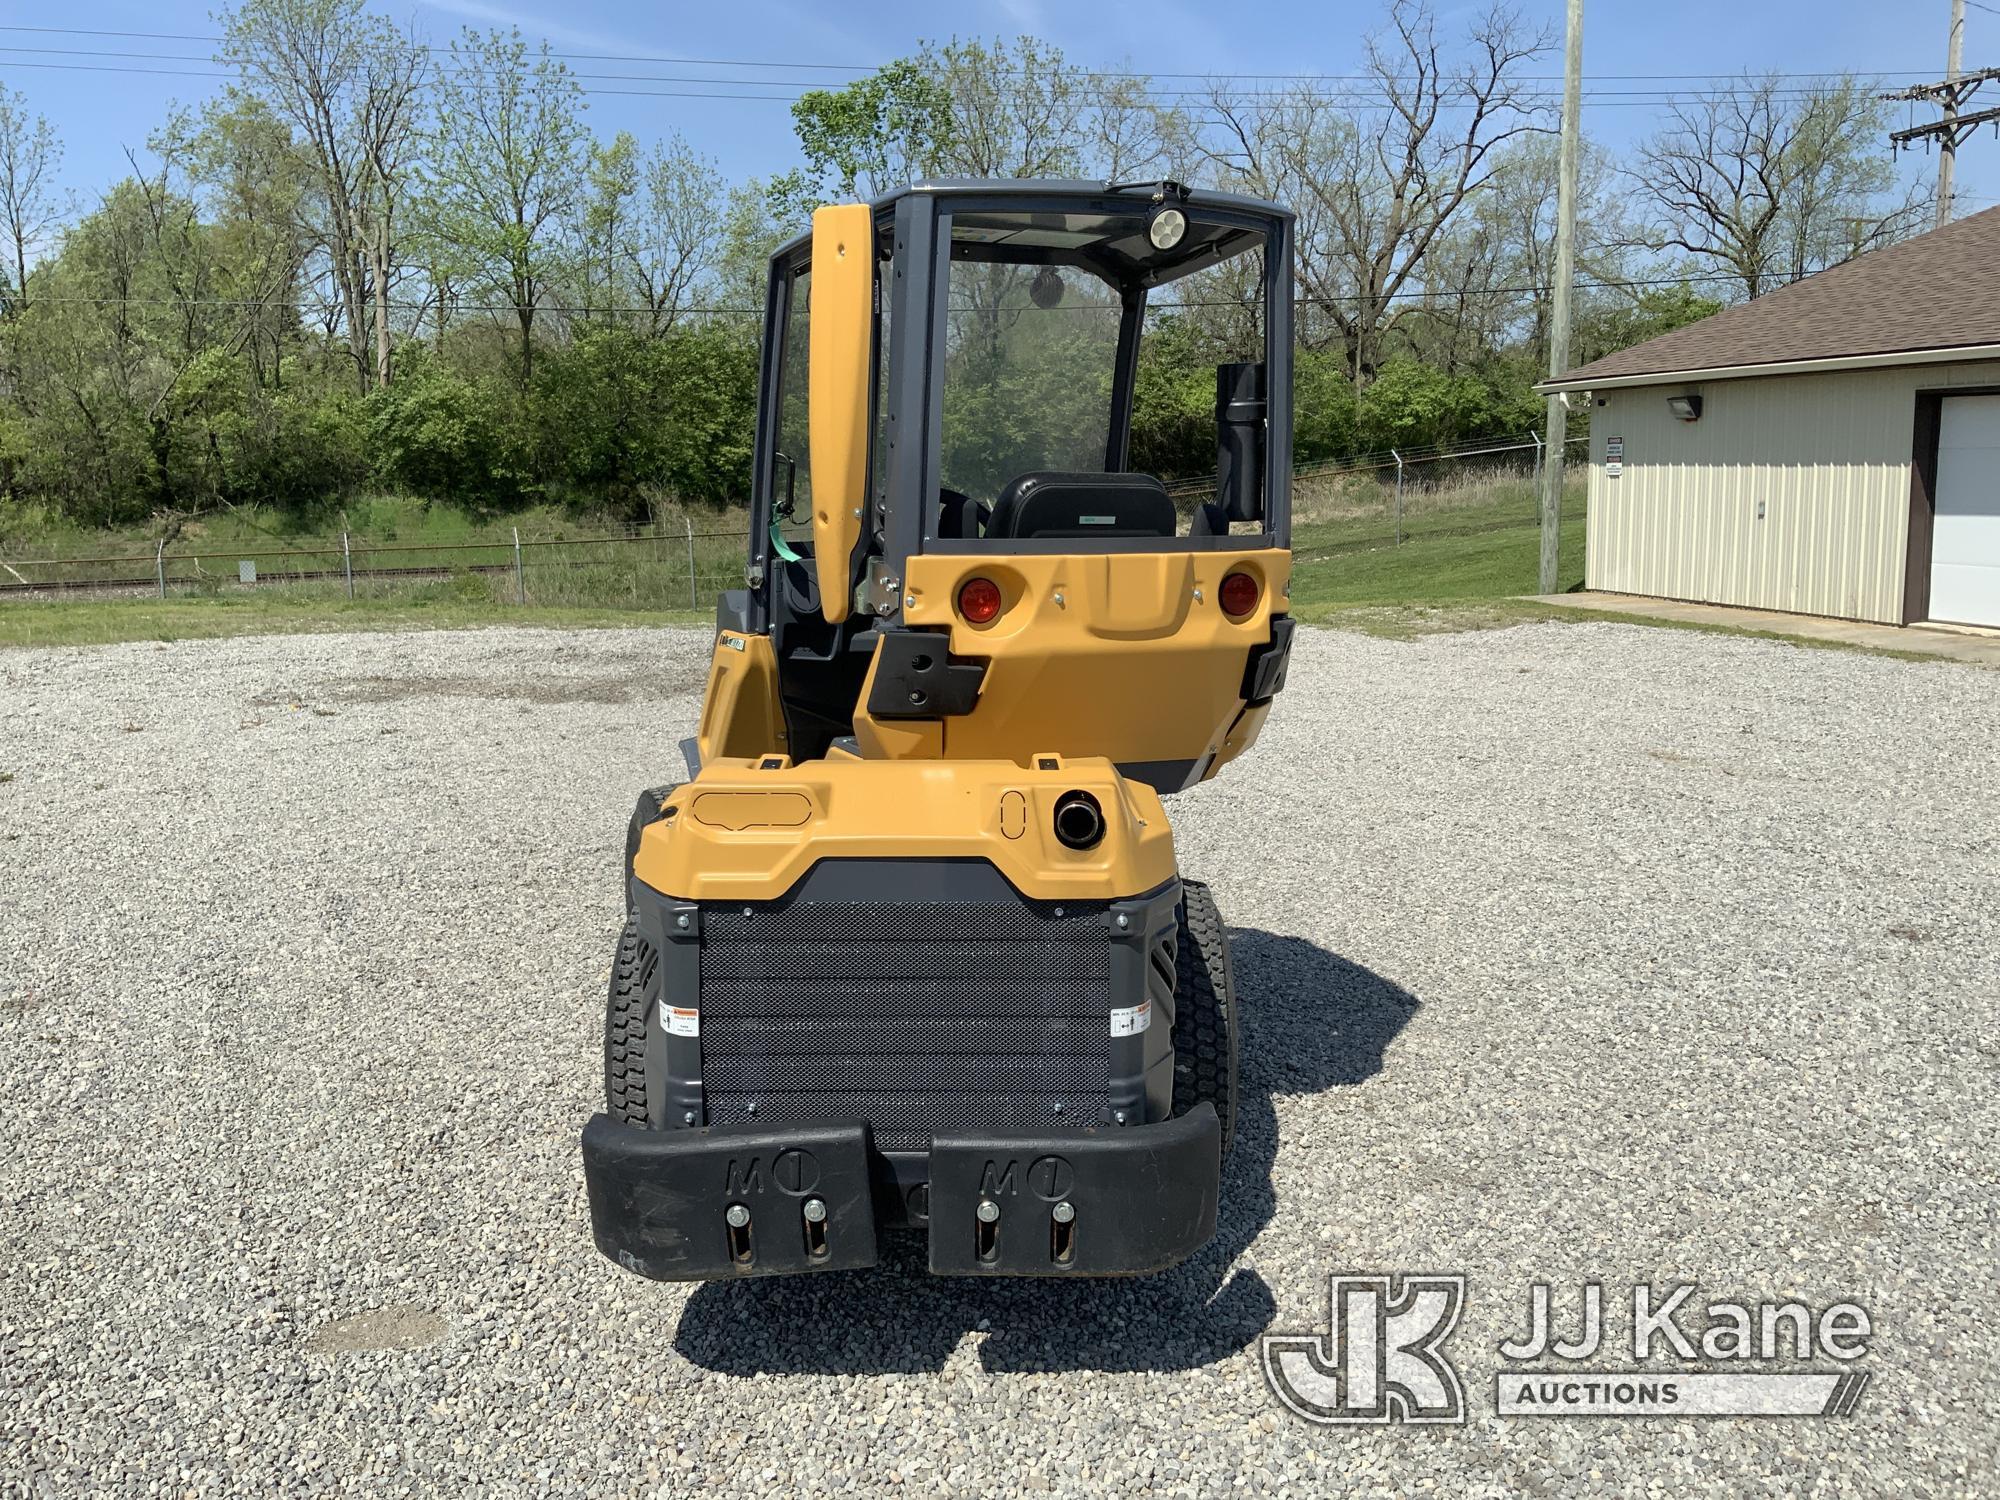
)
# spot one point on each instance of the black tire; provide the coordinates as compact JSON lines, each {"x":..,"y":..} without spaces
{"x":648,"y":811}
{"x":635,"y":994}
{"x":1204,"y":1012}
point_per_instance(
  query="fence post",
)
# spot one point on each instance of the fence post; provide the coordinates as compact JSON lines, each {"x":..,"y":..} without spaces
{"x":520,"y":579}
{"x":1399,"y":495}
{"x":693,"y":602}
{"x":347,"y":563}
{"x":160,"y":566}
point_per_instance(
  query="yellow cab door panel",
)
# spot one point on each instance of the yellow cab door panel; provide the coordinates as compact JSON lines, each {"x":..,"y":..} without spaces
{"x":740,"y":713}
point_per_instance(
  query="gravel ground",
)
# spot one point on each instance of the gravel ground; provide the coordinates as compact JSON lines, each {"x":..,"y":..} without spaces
{"x":1568,"y":951}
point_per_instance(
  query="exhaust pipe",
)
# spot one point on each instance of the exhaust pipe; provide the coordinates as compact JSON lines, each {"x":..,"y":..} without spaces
{"x":1079,"y":820}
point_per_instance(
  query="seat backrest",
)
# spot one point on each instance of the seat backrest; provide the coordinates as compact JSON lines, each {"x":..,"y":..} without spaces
{"x":1082,"y":505}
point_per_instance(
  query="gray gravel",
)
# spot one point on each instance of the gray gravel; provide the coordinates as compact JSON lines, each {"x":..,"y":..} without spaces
{"x":1569,"y":951}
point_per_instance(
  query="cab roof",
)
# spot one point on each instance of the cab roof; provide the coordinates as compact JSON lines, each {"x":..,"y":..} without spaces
{"x":1064,"y":233}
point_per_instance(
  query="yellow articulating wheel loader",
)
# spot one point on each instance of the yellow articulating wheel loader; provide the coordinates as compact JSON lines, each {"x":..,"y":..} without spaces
{"x":908,"y":949}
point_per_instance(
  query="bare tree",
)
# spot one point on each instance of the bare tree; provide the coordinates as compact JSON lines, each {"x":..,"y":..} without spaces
{"x":1014,"y":112}
{"x":394,"y":74}
{"x":680,"y":235}
{"x":1489,"y":278}
{"x":349,"y":85}
{"x":29,"y":203}
{"x":1767,"y":183}
{"x":1378,"y":188}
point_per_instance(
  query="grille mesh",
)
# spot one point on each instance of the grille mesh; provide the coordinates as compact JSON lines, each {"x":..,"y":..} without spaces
{"x":914,"y":1017}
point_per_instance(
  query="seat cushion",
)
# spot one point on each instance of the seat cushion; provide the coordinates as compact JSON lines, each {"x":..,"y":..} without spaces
{"x":1045,"y":504}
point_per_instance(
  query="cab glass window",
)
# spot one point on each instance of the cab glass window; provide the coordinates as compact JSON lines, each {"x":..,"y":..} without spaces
{"x":791,"y":477}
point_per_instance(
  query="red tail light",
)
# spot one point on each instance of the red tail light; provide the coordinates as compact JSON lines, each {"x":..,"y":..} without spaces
{"x":1239,"y":594}
{"x":979,"y":600}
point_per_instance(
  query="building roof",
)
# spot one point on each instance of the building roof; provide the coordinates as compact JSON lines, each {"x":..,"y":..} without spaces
{"x":1938,"y":291}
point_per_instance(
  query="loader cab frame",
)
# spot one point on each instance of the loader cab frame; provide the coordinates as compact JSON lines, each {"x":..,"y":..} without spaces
{"x":923,"y":241}
{"x":897,"y":333}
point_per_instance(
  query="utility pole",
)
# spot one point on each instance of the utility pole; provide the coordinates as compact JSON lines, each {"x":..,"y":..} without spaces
{"x":1950,"y":94}
{"x":1954,"y":64}
{"x":1552,"y":465}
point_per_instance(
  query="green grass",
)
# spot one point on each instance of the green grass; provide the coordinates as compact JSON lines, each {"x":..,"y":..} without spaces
{"x":203,"y":553}
{"x":101,"y":621}
{"x":1469,"y":566}
{"x":1458,"y":568}
{"x":29,"y":533}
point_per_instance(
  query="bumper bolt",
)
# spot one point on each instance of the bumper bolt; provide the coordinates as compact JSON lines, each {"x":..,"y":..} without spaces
{"x":736,"y":1216}
{"x":688,"y":1118}
{"x":815,"y":1211}
{"x":681,"y":920}
{"x":1062,"y":1213}
{"x":988,"y":1211}
{"x":1123,"y":920}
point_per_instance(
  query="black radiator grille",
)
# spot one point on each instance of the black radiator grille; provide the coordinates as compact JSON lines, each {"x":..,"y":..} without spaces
{"x":915,"y":1017}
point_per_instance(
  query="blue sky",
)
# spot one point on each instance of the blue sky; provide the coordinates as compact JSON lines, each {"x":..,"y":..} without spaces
{"x":100,"y":113}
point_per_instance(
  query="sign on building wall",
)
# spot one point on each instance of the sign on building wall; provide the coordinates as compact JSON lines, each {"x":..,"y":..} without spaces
{"x":1614,"y":457}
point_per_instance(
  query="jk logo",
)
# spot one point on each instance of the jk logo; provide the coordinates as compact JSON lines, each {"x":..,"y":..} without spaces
{"x":1379,"y":1360}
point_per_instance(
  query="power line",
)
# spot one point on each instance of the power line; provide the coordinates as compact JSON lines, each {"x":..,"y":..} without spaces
{"x":719,"y":62}
{"x":1264,"y":99}
{"x":785,"y":83}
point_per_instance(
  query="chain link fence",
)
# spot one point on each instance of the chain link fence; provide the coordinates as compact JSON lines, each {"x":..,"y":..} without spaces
{"x":640,"y":568}
{"x":1387,"y":498}
{"x":1376,"y":500}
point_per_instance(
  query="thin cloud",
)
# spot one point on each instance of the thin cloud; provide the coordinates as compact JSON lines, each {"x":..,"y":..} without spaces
{"x":555,"y":31}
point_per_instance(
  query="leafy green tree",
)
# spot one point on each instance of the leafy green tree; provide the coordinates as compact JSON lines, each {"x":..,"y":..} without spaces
{"x":505,"y":173}
{"x":607,"y":226}
{"x":1325,"y":412}
{"x":619,"y":411}
{"x":876,"y":133}
{"x":1605,"y":326}
{"x":347,"y":84}
{"x":1413,"y":407}
{"x":973,"y":109}
{"x":437,"y":434}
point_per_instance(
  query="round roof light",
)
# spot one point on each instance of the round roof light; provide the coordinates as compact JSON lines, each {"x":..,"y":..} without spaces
{"x":1169,"y":226}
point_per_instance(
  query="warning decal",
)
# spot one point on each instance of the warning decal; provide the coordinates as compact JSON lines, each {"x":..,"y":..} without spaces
{"x":1132,"y":1020}
{"x":683,"y":1020}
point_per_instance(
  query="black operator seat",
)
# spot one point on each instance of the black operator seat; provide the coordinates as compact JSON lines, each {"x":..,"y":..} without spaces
{"x":1045,"y":504}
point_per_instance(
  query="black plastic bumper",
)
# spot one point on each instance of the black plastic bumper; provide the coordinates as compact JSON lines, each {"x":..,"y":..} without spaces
{"x":1110,"y":1202}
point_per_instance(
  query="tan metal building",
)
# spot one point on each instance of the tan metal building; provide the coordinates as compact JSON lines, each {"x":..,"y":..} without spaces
{"x":1831,"y":448}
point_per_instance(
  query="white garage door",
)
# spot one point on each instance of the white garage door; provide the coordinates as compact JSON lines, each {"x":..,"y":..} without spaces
{"x":1965,"y":544}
